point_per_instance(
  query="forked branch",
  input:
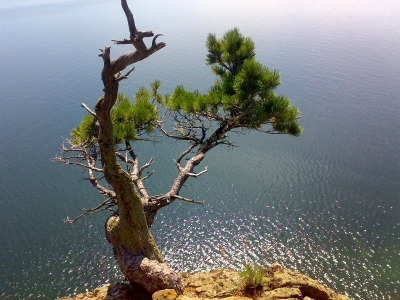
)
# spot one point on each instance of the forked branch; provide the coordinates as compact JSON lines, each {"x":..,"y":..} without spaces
{"x":106,"y":205}
{"x":198,"y":174}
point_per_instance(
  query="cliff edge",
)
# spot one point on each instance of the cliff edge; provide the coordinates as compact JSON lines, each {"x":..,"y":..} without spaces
{"x":277,"y":283}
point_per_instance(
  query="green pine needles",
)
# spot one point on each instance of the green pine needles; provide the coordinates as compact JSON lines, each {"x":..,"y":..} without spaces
{"x":242,"y":98}
{"x":243,"y":95}
{"x":129,"y":119}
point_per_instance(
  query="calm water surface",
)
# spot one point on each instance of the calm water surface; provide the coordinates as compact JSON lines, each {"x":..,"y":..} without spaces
{"x":326,"y":203}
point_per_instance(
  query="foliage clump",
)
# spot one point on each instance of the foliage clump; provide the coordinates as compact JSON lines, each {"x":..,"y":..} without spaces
{"x":129,"y":119}
{"x":83,"y":134}
{"x":252,"y":279}
{"x":243,"y":94}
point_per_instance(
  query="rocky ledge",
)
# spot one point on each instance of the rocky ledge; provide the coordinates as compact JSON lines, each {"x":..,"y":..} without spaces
{"x":277,"y":283}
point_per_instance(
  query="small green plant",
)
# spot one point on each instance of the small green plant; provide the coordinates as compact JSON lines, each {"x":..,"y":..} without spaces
{"x":252,"y":278}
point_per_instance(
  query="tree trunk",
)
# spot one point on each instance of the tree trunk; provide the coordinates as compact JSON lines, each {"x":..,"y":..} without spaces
{"x":134,"y":248}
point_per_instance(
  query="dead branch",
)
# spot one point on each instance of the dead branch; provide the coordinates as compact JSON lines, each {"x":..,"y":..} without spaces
{"x":146,"y":165}
{"x":105,"y":54}
{"x":85,"y":160}
{"x":88,"y":109}
{"x":184,"y":153}
{"x":126,"y":75}
{"x":198,"y":174}
{"x":106,"y":205}
{"x":136,"y":39}
{"x":95,"y":183}
{"x":147,"y":176}
{"x":77,"y":163}
{"x":270,"y":131}
{"x":187,"y":199}
{"x":176,"y":137}
{"x":125,"y":158}
{"x":130,"y":19}
{"x":153,"y":43}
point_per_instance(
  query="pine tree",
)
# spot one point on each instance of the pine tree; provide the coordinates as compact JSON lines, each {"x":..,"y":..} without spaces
{"x":241,"y":99}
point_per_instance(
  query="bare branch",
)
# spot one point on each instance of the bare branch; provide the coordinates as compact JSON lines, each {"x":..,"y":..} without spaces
{"x":126,"y":75}
{"x":125,"y":159}
{"x":130,"y":19}
{"x":187,"y":199}
{"x":184,"y":153}
{"x":76,"y":163}
{"x":198,"y":174}
{"x":129,"y":58}
{"x":123,"y":42}
{"x":87,"y":159}
{"x":145,"y":166}
{"x":177,"y":137}
{"x":88,"y":109}
{"x":106,"y":205}
{"x":129,"y":72}
{"x":136,"y":39}
{"x":105,"y":54}
{"x":147,"y":176}
{"x":104,"y":191}
{"x":138,"y":36}
{"x":153,"y":43}
{"x":269,"y":131}
{"x":213,"y":117}
{"x":136,"y":173}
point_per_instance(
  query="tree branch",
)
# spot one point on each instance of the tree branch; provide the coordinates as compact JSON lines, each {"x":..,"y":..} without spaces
{"x":269,"y":131}
{"x":176,"y":137}
{"x":105,"y":54}
{"x":187,"y":199}
{"x":106,"y":205}
{"x":183,"y":154}
{"x":147,"y":176}
{"x":90,"y":165}
{"x":153,"y":43}
{"x":88,"y":109}
{"x":126,"y":75}
{"x":130,"y":19}
{"x":198,"y":174}
{"x":67,"y":162}
{"x":136,"y":38}
{"x":145,"y":166}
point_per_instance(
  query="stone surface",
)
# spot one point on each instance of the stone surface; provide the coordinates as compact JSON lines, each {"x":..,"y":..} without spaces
{"x":278,"y":283}
{"x":237,"y":298}
{"x":282,"y":293}
{"x":165,"y":295}
{"x":278,"y":277}
{"x":99,"y":293}
{"x":217,"y":283}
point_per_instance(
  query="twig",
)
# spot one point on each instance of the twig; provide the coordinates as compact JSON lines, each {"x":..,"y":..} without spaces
{"x":126,"y":75}
{"x":106,"y":205}
{"x":147,"y":176}
{"x":88,"y":109}
{"x":187,"y":199}
{"x":198,"y":174}
{"x":145,"y":166}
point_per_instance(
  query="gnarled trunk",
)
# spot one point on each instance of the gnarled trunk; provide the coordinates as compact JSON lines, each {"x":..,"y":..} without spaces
{"x":134,"y":247}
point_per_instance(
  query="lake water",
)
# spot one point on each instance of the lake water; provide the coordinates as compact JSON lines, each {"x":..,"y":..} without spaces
{"x":326,"y":203}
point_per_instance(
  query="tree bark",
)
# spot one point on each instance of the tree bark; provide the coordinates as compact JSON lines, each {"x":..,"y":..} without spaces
{"x":134,"y":247}
{"x":187,"y":171}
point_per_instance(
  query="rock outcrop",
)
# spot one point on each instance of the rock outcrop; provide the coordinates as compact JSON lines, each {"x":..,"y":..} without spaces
{"x":277,"y":284}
